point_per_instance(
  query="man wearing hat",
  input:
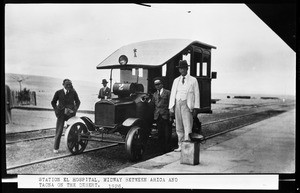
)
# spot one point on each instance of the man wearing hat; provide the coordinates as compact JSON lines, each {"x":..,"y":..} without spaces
{"x":161,"y":114}
{"x":104,"y":92}
{"x":184,"y":102}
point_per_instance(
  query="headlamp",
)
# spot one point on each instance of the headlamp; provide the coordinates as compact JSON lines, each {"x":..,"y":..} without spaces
{"x":123,"y":60}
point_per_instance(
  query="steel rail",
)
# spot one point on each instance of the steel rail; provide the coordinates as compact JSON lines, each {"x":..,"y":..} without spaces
{"x":30,"y":139}
{"x":232,"y":118}
{"x":107,"y":141}
{"x":50,"y":136}
{"x":244,"y":115}
{"x":29,"y":131}
{"x":59,"y":157}
{"x":232,"y":129}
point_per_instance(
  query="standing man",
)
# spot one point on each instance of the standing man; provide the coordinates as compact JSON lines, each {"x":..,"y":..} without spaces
{"x":68,"y":104}
{"x":161,"y":115}
{"x":8,"y":105}
{"x":184,"y":101}
{"x":104,"y":92}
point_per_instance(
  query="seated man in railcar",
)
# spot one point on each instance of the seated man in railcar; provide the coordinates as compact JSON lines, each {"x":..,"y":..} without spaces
{"x":104,"y":92}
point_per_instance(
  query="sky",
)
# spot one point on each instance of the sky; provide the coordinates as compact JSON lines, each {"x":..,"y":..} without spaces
{"x":70,"y":40}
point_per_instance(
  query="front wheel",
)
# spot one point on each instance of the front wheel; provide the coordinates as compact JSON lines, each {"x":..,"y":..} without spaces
{"x":74,"y":143}
{"x":134,"y":143}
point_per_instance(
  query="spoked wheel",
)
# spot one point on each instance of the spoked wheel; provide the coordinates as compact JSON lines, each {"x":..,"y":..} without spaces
{"x":74,"y":144}
{"x":134,"y":143}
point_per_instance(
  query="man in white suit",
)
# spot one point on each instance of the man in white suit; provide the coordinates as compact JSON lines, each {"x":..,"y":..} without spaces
{"x":184,"y":102}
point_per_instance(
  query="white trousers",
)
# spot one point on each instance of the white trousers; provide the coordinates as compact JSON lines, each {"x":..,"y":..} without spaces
{"x":184,"y":121}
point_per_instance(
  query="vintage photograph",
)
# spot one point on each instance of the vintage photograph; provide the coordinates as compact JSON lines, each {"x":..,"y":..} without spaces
{"x":122,"y":89}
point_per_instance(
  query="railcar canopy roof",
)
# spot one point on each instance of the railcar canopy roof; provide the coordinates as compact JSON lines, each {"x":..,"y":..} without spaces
{"x":149,"y":53}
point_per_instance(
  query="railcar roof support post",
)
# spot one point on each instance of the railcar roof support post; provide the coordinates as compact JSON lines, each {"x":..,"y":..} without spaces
{"x":110,"y":79}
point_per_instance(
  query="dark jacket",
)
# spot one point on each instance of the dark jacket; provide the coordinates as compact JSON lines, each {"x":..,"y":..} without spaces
{"x":161,"y":104}
{"x":105,"y":92}
{"x":70,"y":100}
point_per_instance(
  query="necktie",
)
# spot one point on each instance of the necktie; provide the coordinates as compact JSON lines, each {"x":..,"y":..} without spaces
{"x":183,"y":79}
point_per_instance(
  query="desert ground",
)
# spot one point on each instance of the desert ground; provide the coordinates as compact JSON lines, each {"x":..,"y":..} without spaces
{"x":35,"y":119}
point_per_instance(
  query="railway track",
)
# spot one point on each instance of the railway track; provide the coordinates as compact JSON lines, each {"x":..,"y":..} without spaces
{"x":59,"y":157}
{"x":53,"y":129}
{"x":262,"y":114}
{"x":238,"y":106}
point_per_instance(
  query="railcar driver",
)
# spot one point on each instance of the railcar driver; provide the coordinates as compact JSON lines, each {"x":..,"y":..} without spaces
{"x":161,"y":115}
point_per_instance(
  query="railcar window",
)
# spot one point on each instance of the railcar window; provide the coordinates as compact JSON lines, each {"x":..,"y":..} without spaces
{"x":164,"y":70}
{"x":133,"y":71}
{"x":198,"y":68}
{"x":204,"y":69}
{"x":187,"y":57}
{"x":140,"y":72}
{"x":137,"y":70}
{"x":198,"y":64}
{"x":205,"y":64}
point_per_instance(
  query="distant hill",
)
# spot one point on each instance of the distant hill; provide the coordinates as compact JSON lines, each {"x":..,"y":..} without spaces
{"x":32,"y":82}
{"x":45,"y":88}
{"x":44,"y":83}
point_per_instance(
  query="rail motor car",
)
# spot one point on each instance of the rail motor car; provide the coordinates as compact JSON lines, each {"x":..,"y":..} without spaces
{"x":130,"y":110}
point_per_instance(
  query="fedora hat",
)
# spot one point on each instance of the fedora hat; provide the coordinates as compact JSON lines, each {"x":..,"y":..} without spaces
{"x":182,"y":64}
{"x":104,"y":81}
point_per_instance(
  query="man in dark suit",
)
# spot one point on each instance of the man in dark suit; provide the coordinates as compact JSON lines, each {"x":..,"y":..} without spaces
{"x":8,"y":105}
{"x":68,"y":104}
{"x":161,"y":114}
{"x":104,"y":92}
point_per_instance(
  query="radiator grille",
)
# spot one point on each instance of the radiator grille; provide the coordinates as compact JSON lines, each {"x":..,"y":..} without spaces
{"x":104,"y":114}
